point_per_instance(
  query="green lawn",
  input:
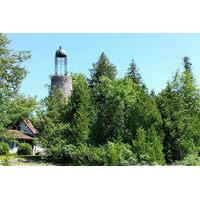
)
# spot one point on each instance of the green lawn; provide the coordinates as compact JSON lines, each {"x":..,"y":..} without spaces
{"x":15,"y":160}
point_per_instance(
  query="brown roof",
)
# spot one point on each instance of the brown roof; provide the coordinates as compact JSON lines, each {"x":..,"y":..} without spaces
{"x":18,"y":135}
{"x":30,"y":126}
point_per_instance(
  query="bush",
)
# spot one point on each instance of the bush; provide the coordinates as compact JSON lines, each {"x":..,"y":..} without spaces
{"x":110,"y":154}
{"x":24,"y":149}
{"x":6,"y":161}
{"x":61,"y":153}
{"x":88,"y":155}
{"x":119,"y":154}
{"x":4,"y":149}
{"x":190,"y":160}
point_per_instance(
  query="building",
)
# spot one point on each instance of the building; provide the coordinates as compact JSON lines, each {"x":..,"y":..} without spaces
{"x":25,"y":133}
{"x":14,"y":137}
{"x":27,"y":128}
{"x":60,"y":81}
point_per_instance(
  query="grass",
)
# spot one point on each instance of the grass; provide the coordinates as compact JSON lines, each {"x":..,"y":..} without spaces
{"x":16,"y":160}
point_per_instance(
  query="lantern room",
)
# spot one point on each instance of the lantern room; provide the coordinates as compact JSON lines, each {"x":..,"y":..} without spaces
{"x":60,"y":62}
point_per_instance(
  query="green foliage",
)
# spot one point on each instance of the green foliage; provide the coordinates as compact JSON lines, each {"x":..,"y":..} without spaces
{"x":134,"y":74}
{"x":24,"y":149}
{"x":148,"y":147}
{"x":19,"y":108}
{"x":4,"y":149}
{"x":190,"y":160}
{"x":179,"y":107}
{"x":119,"y":154}
{"x":102,"y":68}
{"x":117,"y":122}
{"x":12,"y":72}
{"x":81,"y":109}
{"x":77,"y":155}
{"x":51,"y":122}
{"x":6,"y":161}
{"x":115,"y":98}
{"x":61,"y":153}
{"x":109,"y":154}
{"x":88,"y":155}
{"x":67,"y":121}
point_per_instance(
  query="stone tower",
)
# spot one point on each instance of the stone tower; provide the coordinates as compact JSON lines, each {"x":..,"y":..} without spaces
{"x":61,"y":81}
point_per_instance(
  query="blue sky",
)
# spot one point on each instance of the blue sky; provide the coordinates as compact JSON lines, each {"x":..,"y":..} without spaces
{"x":156,"y":55}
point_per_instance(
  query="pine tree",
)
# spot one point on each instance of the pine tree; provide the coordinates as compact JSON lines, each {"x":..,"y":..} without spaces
{"x":82,"y":108}
{"x":178,"y":104}
{"x":135,"y":75}
{"x":187,"y":64}
{"x":189,"y":90}
{"x":102,"y":68}
{"x":133,"y":72}
{"x":118,"y":96}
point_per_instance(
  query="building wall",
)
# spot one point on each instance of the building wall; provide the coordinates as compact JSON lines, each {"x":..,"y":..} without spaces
{"x":62,"y":83}
{"x":13,"y":149}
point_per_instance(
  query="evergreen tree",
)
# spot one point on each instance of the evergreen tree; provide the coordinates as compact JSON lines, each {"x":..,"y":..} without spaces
{"x":66,"y":122}
{"x":178,"y":105}
{"x":82,"y":109}
{"x":118,"y":97}
{"x":51,"y":124}
{"x":148,"y":147}
{"x":144,"y":113}
{"x":102,"y":68}
{"x":189,"y":90}
{"x":152,"y":94}
{"x":187,"y":64}
{"x":133,"y":73}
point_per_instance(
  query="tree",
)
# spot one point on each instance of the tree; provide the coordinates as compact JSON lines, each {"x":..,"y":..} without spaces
{"x":51,"y":124}
{"x":19,"y":108}
{"x":148,"y":147}
{"x":12,"y":72}
{"x":178,"y":105}
{"x":66,"y":122}
{"x":119,"y":154}
{"x":143,"y":113}
{"x":189,"y":90}
{"x":117,"y":96}
{"x":82,"y":111}
{"x":102,"y":68}
{"x":187,"y":64}
{"x":134,"y":74}
{"x":144,"y":122}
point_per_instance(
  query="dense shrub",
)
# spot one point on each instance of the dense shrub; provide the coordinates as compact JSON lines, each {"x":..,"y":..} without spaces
{"x":190,"y":160}
{"x":4,"y":149}
{"x":88,"y":155}
{"x":24,"y":149}
{"x":76,"y":155}
{"x":119,"y":154}
{"x":60,"y":153}
{"x":109,"y":154}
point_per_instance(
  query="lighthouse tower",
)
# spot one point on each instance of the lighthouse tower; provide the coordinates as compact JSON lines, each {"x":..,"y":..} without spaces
{"x":61,"y":81}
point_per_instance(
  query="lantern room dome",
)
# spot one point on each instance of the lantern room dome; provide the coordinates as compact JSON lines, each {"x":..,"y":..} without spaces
{"x":60,"y":53}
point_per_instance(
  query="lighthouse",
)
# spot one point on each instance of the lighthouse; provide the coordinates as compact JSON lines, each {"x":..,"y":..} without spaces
{"x":61,"y":81}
